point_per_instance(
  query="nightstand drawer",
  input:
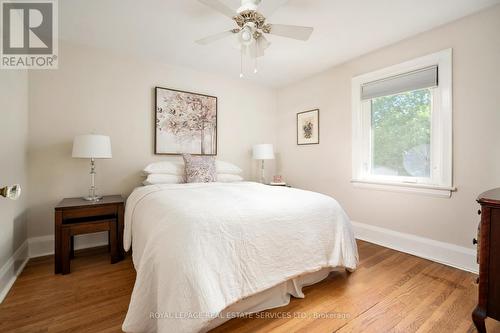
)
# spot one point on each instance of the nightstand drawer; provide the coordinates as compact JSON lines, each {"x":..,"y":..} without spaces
{"x":89,"y":212}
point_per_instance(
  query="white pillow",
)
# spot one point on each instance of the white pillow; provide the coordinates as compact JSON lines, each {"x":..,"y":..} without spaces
{"x":228,"y":178}
{"x":227,"y":168}
{"x":178,"y":168}
{"x":165,"y":167}
{"x":161,"y":178}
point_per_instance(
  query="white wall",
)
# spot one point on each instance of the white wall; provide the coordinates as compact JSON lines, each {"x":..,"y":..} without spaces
{"x":13,"y":148}
{"x":327,"y":167}
{"x":96,"y":91}
{"x":101,"y":92}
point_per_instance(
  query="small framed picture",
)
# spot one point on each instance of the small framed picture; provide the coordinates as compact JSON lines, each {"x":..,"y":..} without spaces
{"x":308,"y":127}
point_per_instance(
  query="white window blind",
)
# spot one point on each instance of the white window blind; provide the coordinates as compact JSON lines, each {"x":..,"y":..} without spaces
{"x":415,"y":80}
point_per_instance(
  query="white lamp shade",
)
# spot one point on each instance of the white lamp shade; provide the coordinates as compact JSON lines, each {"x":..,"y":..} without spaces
{"x":92,"y":146}
{"x":263,"y":152}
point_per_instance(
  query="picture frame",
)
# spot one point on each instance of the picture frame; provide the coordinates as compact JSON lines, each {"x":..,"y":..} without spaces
{"x":308,"y":127}
{"x":185,"y":123}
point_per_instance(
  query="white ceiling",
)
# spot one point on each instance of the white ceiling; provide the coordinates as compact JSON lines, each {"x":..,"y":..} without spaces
{"x":165,"y":30}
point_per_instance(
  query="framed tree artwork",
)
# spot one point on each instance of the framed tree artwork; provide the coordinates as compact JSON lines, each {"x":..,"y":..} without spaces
{"x":308,"y":127}
{"x":186,"y":123}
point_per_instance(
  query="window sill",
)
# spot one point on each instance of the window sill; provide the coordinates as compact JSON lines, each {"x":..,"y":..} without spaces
{"x":429,"y":190}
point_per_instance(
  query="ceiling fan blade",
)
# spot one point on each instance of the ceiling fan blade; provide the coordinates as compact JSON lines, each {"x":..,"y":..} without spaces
{"x":291,"y":31}
{"x":216,"y":37}
{"x":219,"y":7}
{"x":268,"y":7}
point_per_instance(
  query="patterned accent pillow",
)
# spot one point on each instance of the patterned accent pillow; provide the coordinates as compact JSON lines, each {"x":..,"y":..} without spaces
{"x":200,"y":169}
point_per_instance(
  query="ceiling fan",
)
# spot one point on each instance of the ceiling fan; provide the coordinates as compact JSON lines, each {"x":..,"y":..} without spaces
{"x":252,"y":27}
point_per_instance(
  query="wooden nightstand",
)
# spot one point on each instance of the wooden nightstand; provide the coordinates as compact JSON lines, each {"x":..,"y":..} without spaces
{"x":76,"y":216}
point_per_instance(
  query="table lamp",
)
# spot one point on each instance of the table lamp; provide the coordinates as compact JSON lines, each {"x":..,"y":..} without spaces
{"x":92,"y":146}
{"x":263,"y":152}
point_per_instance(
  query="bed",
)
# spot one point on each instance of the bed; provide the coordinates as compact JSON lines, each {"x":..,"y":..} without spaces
{"x":207,"y":252}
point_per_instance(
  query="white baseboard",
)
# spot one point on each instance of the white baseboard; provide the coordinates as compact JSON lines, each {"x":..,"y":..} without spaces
{"x":41,"y":246}
{"x":38,"y":247}
{"x":44,"y":245}
{"x":12,"y":268}
{"x":445,"y":253}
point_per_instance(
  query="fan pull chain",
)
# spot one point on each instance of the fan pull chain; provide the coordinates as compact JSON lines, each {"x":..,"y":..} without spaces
{"x":241,"y":62}
{"x":255,"y":70}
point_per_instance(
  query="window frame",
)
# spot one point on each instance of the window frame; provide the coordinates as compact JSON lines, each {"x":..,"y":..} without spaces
{"x":440,"y":182}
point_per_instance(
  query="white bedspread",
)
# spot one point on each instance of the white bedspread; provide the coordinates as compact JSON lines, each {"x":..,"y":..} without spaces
{"x":199,"y":248}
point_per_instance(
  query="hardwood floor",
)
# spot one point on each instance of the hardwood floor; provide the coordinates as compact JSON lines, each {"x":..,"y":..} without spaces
{"x":390,"y":292}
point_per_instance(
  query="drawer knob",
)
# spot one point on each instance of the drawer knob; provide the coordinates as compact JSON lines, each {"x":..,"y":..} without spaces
{"x":474,"y":241}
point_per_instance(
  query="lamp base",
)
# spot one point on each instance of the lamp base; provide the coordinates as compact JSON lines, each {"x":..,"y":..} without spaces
{"x":262,"y":177}
{"x":92,"y":190}
{"x":93,"y":198}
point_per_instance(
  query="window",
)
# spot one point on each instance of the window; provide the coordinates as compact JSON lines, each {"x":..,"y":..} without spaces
{"x":402,"y":126}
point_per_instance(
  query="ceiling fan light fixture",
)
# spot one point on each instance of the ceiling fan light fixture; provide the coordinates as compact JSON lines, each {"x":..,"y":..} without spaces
{"x":246,"y":35}
{"x":252,"y":27}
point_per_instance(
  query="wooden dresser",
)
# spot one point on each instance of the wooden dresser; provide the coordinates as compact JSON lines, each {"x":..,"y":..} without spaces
{"x":488,"y":243}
